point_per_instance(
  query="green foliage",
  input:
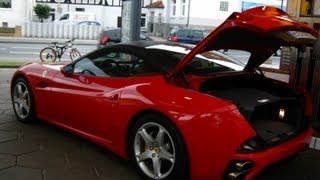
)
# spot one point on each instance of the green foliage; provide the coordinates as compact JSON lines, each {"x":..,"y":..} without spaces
{"x":42,"y":11}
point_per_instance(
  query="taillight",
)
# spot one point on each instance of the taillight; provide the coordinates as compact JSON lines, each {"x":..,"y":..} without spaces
{"x":104,"y":39}
{"x":175,"y":39}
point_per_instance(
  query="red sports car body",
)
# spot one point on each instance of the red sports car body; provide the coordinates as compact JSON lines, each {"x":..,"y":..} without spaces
{"x":176,"y":112}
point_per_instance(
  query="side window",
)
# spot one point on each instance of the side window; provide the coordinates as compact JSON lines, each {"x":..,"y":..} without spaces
{"x":183,"y":33}
{"x":112,"y":64}
{"x":197,"y":34}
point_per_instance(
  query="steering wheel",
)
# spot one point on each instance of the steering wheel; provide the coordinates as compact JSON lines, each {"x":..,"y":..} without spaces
{"x":110,"y":66}
{"x":138,"y":62}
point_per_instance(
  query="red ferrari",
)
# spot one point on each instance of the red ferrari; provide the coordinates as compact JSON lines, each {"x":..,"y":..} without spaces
{"x":176,"y":112}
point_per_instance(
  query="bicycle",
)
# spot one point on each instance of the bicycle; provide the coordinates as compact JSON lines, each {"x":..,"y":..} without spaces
{"x":53,"y":52}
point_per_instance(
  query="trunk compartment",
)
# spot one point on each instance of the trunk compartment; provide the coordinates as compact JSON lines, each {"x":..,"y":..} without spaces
{"x":262,"y":102}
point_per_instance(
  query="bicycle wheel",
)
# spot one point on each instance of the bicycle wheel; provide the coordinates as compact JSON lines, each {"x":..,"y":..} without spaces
{"x":74,"y":54}
{"x":48,"y":54}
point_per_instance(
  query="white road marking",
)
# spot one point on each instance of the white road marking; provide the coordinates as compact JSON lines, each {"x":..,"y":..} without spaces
{"x":38,"y":48}
{"x":15,"y":52}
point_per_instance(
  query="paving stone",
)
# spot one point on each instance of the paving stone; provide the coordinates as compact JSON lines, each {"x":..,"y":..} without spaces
{"x":7,"y":118}
{"x":7,"y":136}
{"x":7,"y":161}
{"x":21,"y":173}
{"x":40,"y":159}
{"x":112,"y":167}
{"x":70,"y":174}
{"x":8,"y":112}
{"x":18,"y":147}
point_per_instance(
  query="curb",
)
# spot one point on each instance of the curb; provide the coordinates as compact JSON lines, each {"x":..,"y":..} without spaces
{"x":9,"y":67}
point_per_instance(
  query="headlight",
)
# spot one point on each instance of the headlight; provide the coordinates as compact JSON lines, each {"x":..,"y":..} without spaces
{"x":252,"y":145}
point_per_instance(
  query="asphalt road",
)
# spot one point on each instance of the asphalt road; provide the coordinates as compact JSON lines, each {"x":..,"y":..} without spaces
{"x":30,"y":52}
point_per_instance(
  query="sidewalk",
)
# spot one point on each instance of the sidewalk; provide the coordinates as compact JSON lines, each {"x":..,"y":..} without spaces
{"x":44,"y":40}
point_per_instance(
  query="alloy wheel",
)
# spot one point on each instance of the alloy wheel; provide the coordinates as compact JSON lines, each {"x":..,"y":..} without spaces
{"x":154,"y":150}
{"x":21,"y":100}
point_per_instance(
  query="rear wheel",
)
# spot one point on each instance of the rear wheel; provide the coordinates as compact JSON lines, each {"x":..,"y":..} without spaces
{"x":48,"y":54}
{"x":156,"y":149}
{"x":23,"y":101}
{"x":74,"y":54}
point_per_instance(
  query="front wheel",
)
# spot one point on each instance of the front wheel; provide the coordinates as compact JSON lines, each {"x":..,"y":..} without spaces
{"x":23,"y":100}
{"x":157,"y":150}
{"x":74,"y":54}
{"x":48,"y":54}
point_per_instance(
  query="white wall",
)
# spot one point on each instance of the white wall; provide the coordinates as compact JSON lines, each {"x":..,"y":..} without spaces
{"x":17,"y":14}
{"x":106,"y":15}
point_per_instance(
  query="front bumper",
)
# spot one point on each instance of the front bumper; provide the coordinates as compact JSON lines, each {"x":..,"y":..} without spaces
{"x":275,"y":154}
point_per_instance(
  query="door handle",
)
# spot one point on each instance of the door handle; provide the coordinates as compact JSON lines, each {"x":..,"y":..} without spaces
{"x":112,"y":97}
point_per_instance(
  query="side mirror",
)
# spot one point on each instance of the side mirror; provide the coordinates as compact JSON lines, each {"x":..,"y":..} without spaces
{"x":67,"y":70}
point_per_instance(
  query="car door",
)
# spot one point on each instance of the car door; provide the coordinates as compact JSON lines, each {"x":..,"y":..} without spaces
{"x":87,"y":100}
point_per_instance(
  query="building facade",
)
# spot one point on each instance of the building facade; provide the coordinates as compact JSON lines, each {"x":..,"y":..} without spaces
{"x":15,"y":12}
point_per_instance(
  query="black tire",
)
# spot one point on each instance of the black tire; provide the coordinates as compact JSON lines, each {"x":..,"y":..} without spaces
{"x":180,"y":167}
{"x":18,"y":98}
{"x":48,"y":54}
{"x":74,"y":54}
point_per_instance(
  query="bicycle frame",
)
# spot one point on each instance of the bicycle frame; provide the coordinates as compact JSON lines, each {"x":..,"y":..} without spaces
{"x":60,"y":50}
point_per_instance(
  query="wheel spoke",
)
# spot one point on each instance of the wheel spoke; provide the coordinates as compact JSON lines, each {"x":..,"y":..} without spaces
{"x":25,"y":94}
{"x":16,"y":100}
{"x":164,"y":154}
{"x":19,"y":88}
{"x":26,"y":107}
{"x":160,"y":136}
{"x":20,"y":108}
{"x":146,"y":137}
{"x":143,"y":156}
{"x":156,"y":167}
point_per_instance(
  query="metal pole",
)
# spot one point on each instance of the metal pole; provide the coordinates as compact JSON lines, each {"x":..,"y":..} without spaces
{"x":282,"y":4}
{"x":131,"y":20}
{"x":188,"y":17}
{"x":135,"y":19}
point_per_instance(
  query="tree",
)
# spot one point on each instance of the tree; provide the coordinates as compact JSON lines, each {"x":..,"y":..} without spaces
{"x":42,"y":11}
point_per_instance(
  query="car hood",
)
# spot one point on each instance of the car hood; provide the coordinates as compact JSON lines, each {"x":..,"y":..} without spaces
{"x":260,"y":31}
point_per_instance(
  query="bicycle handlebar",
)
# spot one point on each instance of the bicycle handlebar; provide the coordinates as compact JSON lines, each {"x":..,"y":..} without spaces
{"x":69,"y":41}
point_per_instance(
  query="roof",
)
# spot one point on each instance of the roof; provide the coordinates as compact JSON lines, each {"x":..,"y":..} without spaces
{"x":157,"y":4}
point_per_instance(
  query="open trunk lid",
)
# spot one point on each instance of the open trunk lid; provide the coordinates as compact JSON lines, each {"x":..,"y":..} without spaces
{"x":260,"y":31}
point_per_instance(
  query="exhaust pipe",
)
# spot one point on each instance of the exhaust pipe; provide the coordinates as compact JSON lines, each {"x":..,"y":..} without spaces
{"x":236,"y":176}
{"x":244,"y":166}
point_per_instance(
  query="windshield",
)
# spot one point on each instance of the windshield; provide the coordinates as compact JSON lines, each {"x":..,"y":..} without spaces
{"x":64,"y":17}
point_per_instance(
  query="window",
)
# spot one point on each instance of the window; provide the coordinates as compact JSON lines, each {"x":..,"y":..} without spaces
{"x":183,"y":7}
{"x":5,"y":3}
{"x":197,"y":34}
{"x":112,"y":64}
{"x":64,"y":17}
{"x":224,"y":5}
{"x":80,"y":9}
{"x":143,"y":20}
{"x":310,"y":7}
{"x":174,"y":4}
{"x":183,"y":33}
